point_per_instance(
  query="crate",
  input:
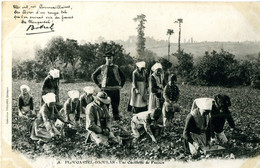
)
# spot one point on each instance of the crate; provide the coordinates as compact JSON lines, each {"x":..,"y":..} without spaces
{"x":213,"y":149}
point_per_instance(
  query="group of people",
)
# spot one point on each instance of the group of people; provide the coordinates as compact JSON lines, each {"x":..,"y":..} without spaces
{"x":153,"y":102}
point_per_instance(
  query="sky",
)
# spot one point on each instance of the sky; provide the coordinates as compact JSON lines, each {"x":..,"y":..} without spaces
{"x":114,"y":21}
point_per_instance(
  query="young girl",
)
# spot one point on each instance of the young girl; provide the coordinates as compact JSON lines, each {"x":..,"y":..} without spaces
{"x":25,"y":102}
{"x":86,"y":98}
{"x":71,"y":112}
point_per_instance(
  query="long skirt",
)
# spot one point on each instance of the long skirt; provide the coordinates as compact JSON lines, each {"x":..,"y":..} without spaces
{"x":40,"y":132}
{"x":25,"y":111}
{"x":154,"y":102}
{"x":140,"y":99}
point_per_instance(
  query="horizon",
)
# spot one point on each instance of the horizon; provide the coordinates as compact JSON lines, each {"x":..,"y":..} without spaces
{"x":202,"y":21}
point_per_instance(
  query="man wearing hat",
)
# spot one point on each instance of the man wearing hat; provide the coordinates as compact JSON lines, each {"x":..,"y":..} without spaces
{"x":196,"y":131}
{"x":51,"y":84}
{"x":112,"y":80}
{"x":98,"y":120}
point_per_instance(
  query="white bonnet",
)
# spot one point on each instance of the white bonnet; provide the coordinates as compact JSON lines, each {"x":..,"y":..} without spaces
{"x":156,"y":66}
{"x":55,"y":73}
{"x":24,"y":87}
{"x":140,"y":64}
{"x":49,"y":97}
{"x":73,"y":94}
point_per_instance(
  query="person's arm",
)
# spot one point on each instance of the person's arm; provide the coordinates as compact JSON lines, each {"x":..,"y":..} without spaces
{"x":166,"y":93}
{"x":188,"y":125}
{"x":134,"y":82}
{"x":177,"y":93}
{"x":122,"y":77}
{"x":108,"y":118}
{"x":59,"y":116}
{"x":81,"y":104}
{"x":164,"y":117}
{"x":67,"y":109}
{"x":31,"y":103}
{"x":90,"y":117}
{"x":94,"y":76}
{"x":78,"y":109}
{"x":45,"y":86}
{"x":149,"y":131}
{"x":46,"y":120}
{"x":230,"y":119}
{"x":20,"y":103}
{"x":155,"y":88}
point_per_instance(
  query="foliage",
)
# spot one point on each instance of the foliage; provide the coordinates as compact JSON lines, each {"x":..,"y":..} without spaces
{"x":218,"y":69}
{"x":74,"y":60}
{"x":244,"y":109}
{"x":88,"y":60}
{"x":140,"y":30}
{"x":185,"y":64}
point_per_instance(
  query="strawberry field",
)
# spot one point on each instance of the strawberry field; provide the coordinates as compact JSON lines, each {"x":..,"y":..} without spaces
{"x":244,"y":144}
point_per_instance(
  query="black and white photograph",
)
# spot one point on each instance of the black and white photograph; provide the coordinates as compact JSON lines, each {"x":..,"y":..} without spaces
{"x":136,"y":83}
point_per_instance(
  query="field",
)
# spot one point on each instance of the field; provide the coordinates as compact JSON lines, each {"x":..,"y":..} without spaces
{"x":245,"y":111}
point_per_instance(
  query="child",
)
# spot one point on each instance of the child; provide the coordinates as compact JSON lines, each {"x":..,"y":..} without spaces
{"x":25,"y":102}
{"x":86,"y":98}
{"x":144,"y":120}
{"x":171,"y":96}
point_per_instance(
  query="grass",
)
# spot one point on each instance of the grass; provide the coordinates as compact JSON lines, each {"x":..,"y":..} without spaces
{"x":245,"y":111}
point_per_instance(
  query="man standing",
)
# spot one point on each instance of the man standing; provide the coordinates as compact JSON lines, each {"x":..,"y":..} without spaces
{"x":111,"y":81}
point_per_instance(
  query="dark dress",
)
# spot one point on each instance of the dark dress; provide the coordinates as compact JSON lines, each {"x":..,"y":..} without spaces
{"x":50,"y":85}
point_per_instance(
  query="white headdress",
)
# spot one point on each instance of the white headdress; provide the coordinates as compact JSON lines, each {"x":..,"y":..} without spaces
{"x":55,"y":73}
{"x":89,"y":89}
{"x":24,"y":87}
{"x":140,"y":64}
{"x":73,"y":94}
{"x":156,"y":66}
{"x":202,"y":103}
{"x":49,"y":97}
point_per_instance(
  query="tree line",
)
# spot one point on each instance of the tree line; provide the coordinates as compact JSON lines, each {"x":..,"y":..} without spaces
{"x":78,"y":61}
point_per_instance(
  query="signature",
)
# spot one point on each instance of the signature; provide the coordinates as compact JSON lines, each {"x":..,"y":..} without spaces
{"x":32,"y":29}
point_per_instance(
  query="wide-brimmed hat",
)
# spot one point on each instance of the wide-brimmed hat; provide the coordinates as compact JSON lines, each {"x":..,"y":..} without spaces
{"x":49,"y":98}
{"x":89,"y":89}
{"x":73,"y":94}
{"x":55,"y":73}
{"x":102,"y":96}
{"x":108,"y":54}
{"x":24,"y":87}
{"x":140,"y":64}
{"x":156,"y":66}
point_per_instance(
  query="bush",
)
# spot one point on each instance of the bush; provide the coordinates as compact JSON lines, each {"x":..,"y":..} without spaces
{"x":216,"y":69}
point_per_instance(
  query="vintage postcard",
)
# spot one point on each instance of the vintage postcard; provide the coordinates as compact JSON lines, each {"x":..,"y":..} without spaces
{"x":122,"y":84}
